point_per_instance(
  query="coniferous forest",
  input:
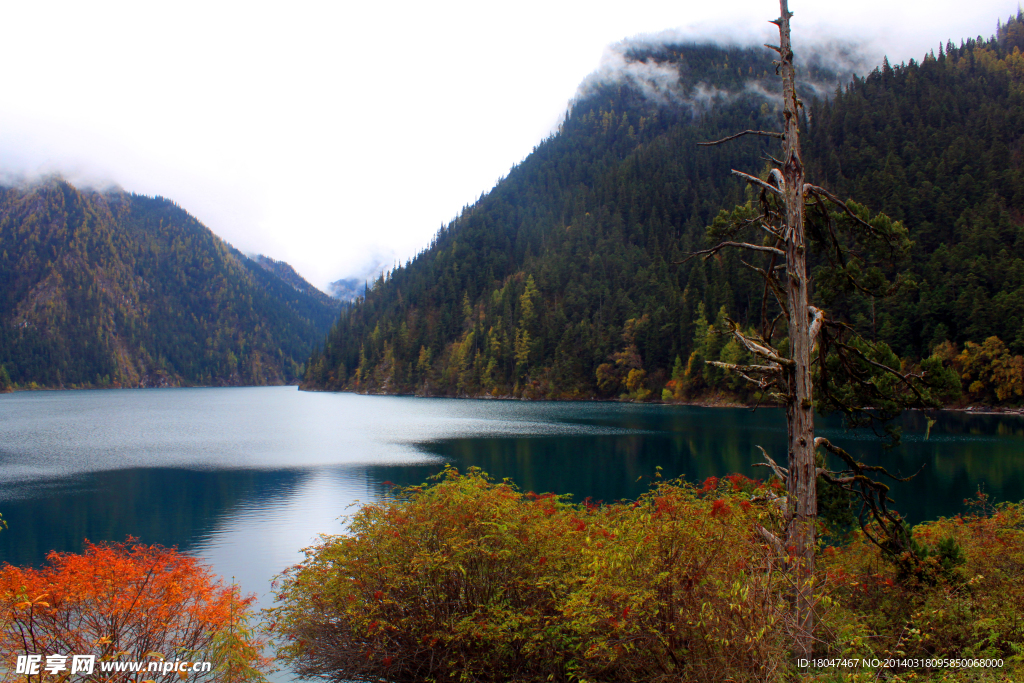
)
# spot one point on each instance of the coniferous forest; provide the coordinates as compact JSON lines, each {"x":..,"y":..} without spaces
{"x":116,"y":289}
{"x":570,"y":279}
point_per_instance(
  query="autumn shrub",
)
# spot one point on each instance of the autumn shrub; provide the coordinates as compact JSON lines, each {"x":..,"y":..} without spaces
{"x":127,"y":602}
{"x":468,"y":579}
{"x":959,"y":593}
{"x":988,"y":373}
{"x":680,"y":586}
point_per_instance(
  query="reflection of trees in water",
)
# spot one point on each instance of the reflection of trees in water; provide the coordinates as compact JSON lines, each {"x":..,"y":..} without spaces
{"x":699,"y":443}
{"x":171,"y":507}
{"x":964,"y":423}
{"x":399,"y":475}
{"x":996,"y":463}
{"x":961,"y":452}
{"x":601,"y":467}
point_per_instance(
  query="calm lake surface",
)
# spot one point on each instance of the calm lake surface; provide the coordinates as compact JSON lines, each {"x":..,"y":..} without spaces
{"x":246,"y":477}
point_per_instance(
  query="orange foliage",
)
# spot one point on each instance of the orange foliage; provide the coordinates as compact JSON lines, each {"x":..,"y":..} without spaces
{"x":127,"y":602}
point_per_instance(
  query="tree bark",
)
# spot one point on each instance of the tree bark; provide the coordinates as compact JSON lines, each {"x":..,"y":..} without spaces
{"x":802,"y":479}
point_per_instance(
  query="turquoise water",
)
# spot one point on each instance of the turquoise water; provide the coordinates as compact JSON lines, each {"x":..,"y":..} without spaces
{"x":246,"y":477}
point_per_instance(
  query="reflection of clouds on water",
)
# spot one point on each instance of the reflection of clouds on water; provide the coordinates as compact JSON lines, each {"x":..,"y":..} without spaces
{"x":36,"y":486}
{"x":263,"y":536}
{"x":50,"y":435}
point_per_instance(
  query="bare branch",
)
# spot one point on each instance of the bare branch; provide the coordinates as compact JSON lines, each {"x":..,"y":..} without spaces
{"x":767,"y":369}
{"x":874,"y":498}
{"x":840,"y":325}
{"x":757,"y":347}
{"x":770,"y":282}
{"x":780,"y":472}
{"x":885,"y":368}
{"x":859,"y":467}
{"x":814,"y":189}
{"x":775,"y":321}
{"x":722,"y":245}
{"x":755,"y":247}
{"x":773,"y":541}
{"x":831,"y":231}
{"x":753,"y":180}
{"x":763,"y":133}
{"x":761,"y":383}
{"x":745,"y":223}
{"x":835,"y":477}
{"x":768,"y":229}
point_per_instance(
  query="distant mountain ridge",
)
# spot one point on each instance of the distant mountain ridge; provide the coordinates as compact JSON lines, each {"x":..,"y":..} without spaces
{"x":353,"y":286}
{"x":116,"y":289}
{"x":286,"y":273}
{"x":348,"y":289}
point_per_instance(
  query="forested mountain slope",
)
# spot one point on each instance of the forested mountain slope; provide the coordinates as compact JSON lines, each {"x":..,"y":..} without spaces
{"x":565,"y":280}
{"x":285,"y":272}
{"x":939,"y":145}
{"x":116,"y":289}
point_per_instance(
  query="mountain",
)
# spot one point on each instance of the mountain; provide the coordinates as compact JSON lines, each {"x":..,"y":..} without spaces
{"x":353,"y":285}
{"x":286,"y":273}
{"x":348,"y":289}
{"x":118,"y":289}
{"x":530,"y":288}
{"x":570,"y":280}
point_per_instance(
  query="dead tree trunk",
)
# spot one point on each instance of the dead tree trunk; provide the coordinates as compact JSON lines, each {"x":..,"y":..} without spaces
{"x":802,"y":479}
{"x":783,"y":202}
{"x":843,"y":358}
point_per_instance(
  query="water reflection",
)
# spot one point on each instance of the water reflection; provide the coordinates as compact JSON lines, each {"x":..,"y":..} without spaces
{"x":961,"y":453}
{"x":245,"y":478}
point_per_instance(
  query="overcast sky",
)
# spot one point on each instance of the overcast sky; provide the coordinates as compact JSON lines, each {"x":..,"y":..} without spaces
{"x":335,"y":134}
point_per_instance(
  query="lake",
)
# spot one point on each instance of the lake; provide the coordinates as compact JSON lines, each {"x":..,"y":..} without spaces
{"x":246,"y":477}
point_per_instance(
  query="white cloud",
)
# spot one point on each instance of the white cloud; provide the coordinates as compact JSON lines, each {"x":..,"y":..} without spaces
{"x":322,"y":132}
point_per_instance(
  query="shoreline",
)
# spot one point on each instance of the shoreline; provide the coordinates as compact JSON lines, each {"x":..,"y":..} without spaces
{"x":711,"y":402}
{"x":15,"y":390}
